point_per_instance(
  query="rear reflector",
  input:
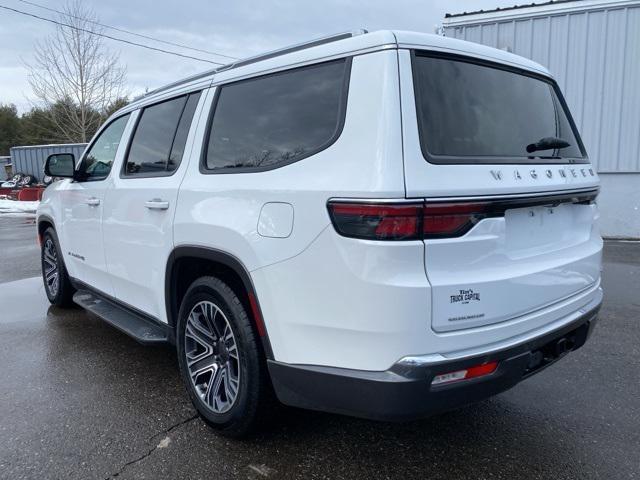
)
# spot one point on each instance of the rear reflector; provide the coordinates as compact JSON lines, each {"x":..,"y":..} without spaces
{"x":467,"y":374}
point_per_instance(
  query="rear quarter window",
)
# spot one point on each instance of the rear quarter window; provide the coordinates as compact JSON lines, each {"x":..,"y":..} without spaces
{"x":271,"y":121}
{"x":477,"y":112}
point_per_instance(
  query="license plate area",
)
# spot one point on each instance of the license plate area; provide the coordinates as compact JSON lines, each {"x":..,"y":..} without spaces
{"x":539,"y":226}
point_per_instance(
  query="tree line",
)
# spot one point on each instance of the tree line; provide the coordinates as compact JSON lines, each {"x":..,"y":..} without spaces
{"x":76,"y":81}
{"x":38,"y":126}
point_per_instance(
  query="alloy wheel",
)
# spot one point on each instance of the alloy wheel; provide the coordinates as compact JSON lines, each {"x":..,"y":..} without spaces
{"x":212,"y":356}
{"x":51,"y":274}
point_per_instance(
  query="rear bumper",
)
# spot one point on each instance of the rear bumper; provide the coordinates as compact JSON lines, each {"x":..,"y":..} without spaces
{"x":404,"y":392}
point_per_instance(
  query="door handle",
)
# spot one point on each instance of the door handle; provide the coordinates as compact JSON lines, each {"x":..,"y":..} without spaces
{"x":156,"y":204}
{"x":93,"y":201}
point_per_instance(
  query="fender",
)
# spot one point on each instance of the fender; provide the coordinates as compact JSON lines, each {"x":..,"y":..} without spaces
{"x":228,"y":260}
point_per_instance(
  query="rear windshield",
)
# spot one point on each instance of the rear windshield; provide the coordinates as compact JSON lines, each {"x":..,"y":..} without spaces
{"x":478,"y":113}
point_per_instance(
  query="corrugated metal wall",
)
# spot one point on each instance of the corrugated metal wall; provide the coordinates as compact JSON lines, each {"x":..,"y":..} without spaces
{"x":30,"y":160}
{"x":595,"y":57}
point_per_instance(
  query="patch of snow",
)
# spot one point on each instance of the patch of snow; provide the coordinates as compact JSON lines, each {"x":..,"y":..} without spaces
{"x":17,"y":207}
{"x":164,"y":443}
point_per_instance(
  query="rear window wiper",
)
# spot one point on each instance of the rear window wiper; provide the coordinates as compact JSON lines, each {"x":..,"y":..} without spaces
{"x":547,"y":143}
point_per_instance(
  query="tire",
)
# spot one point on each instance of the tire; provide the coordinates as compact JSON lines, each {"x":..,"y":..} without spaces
{"x":211,"y":310}
{"x":59,"y":289}
{"x":27,"y":180}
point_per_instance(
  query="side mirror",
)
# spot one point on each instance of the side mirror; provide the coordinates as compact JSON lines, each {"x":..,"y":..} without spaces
{"x":60,"y":165}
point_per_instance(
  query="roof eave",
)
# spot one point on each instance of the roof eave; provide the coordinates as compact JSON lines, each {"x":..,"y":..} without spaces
{"x":533,"y":10}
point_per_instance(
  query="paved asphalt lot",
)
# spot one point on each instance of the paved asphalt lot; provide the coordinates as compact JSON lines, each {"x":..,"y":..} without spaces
{"x":80,"y":400}
{"x":19,"y":252}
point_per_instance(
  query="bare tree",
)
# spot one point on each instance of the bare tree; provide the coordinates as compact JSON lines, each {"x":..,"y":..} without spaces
{"x":74,"y":75}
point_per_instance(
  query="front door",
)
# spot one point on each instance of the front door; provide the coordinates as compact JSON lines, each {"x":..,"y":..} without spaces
{"x":82,"y":206}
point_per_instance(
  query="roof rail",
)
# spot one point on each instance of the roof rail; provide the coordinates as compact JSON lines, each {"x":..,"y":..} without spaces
{"x":294,"y":48}
{"x":258,"y":58}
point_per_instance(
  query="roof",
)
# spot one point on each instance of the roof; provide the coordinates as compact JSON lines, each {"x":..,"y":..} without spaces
{"x":515,"y":7}
{"x":50,"y":145}
{"x":336,"y":46}
{"x":531,"y":10}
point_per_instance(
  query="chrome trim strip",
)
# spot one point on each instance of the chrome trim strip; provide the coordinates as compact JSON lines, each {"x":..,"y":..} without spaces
{"x":517,"y":196}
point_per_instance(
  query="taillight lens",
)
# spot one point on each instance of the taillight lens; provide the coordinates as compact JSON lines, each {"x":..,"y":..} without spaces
{"x":446,"y":220}
{"x":406,"y":221}
{"x":377,"y":221}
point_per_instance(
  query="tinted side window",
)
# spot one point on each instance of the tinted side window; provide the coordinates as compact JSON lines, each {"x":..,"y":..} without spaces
{"x":277,"y":119}
{"x":160,"y":136}
{"x":180,"y":140}
{"x":97,"y":162}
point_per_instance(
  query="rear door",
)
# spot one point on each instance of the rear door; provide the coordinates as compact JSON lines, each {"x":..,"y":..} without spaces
{"x":139,"y":208}
{"x":509,"y":225}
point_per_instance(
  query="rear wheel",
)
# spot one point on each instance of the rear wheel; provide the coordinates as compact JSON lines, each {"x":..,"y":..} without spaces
{"x":57,"y":284}
{"x":219,"y":356}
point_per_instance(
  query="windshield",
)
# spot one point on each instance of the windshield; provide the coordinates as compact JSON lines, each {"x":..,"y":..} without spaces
{"x":478,"y":113}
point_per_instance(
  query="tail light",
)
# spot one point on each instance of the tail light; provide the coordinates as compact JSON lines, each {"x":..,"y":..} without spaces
{"x":405,"y":221}
{"x":377,"y":221}
{"x":432,"y":219}
{"x":446,"y":220}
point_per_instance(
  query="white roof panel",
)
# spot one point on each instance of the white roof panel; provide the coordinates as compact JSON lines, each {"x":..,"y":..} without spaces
{"x":355,"y":45}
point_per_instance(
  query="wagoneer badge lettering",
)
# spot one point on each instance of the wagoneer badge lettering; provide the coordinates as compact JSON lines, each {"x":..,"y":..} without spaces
{"x":497,"y":174}
{"x":517,"y":175}
{"x":549,"y":173}
{"x":562,"y":173}
{"x":534,"y":174}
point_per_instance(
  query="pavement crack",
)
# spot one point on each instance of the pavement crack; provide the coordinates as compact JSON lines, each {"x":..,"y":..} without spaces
{"x":173,"y":427}
{"x":162,"y":444}
{"x":132,"y":462}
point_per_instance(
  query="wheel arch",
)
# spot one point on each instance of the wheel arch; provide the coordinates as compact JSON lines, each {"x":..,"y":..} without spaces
{"x":187,"y":263}
{"x":44,"y":222}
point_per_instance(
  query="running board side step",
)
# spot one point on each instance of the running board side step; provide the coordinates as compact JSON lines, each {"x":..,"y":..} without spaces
{"x":138,"y":326}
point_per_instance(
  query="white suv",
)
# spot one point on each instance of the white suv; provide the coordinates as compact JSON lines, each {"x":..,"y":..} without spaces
{"x":384,"y":224}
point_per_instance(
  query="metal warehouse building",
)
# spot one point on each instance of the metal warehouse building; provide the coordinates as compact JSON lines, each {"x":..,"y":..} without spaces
{"x":592,"y":47}
{"x":30,"y":160}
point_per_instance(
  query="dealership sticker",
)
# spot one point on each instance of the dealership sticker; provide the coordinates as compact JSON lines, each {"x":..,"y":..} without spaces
{"x":465,"y":296}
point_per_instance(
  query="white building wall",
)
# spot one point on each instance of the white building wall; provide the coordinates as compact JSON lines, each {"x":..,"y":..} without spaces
{"x":593,"y":50}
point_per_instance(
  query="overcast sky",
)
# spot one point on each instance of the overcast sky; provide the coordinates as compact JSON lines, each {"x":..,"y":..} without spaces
{"x":238,"y":28}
